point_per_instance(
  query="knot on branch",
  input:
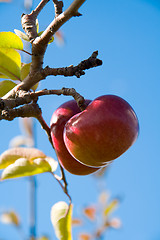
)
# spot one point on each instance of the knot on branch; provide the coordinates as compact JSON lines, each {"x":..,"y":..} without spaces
{"x":79,"y":98}
{"x":2,"y":104}
{"x":28,"y":22}
{"x":29,"y":110}
{"x":58,"y":5}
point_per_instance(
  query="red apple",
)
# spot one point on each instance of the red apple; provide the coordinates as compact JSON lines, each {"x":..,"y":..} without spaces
{"x":102,"y":132}
{"x":58,"y":121}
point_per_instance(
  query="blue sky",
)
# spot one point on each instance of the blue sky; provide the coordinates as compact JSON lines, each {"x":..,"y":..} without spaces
{"x":126,"y":34}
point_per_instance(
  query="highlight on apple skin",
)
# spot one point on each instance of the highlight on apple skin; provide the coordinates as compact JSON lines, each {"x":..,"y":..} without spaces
{"x":57,"y":123}
{"x":102,"y":132}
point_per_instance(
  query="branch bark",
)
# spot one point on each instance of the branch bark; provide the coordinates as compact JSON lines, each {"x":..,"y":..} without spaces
{"x":6,"y":105}
{"x":39,"y":44}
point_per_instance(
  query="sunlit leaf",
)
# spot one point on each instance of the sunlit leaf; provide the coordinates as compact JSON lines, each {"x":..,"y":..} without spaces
{"x":37,"y":25}
{"x":24,"y":167}
{"x":24,"y":73}
{"x":76,"y":222}
{"x":3,"y":76}
{"x":115,"y":223}
{"x":10,"y":60}
{"x":111,"y":207}
{"x":21,"y":141}
{"x":21,"y":35}
{"x":25,"y":70}
{"x":61,"y":214}
{"x":10,"y":217}
{"x":10,"y":63}
{"x":11,"y":155}
{"x":10,"y":40}
{"x":6,"y":86}
{"x":43,"y":238}
{"x":90,"y":212}
{"x":84,"y":236}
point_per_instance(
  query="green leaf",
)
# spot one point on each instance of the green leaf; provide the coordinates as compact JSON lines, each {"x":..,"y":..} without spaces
{"x":10,"y":63}
{"x":61,"y":217}
{"x":10,"y":40}
{"x":24,"y":167}
{"x":24,"y":73}
{"x":52,"y":38}
{"x":11,"y":155}
{"x":3,"y":76}
{"x":25,"y":70}
{"x":10,"y":59}
{"x":21,"y":35}
{"x":6,"y":86}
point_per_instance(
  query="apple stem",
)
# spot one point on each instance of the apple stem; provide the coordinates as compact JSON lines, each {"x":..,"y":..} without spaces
{"x":65,"y":190}
{"x":63,"y":177}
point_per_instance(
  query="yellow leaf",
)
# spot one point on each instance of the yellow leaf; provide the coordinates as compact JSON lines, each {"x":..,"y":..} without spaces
{"x":10,"y":40}
{"x":6,"y":86}
{"x":10,"y":59}
{"x":43,"y":238}
{"x":10,"y":218}
{"x":24,"y":73}
{"x":11,"y":155}
{"x":111,"y":207}
{"x":21,"y":35}
{"x":25,"y":70}
{"x":61,"y":218}
{"x":24,"y":167}
{"x":10,"y":63}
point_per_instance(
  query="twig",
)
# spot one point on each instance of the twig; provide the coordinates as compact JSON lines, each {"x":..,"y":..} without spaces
{"x":78,"y":70}
{"x":39,"y":8}
{"x":58,"y":5}
{"x":54,"y":26}
{"x":63,"y":187}
{"x":29,"y":20}
{"x":45,"y":127}
{"x":27,"y":52}
{"x":23,"y":97}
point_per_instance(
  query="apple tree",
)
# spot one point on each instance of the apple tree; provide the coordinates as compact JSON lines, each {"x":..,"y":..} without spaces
{"x":86,"y":134}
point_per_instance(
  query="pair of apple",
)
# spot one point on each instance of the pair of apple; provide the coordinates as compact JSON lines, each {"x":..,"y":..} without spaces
{"x":87,"y":141}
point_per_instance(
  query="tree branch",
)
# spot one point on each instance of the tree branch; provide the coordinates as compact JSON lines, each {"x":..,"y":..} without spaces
{"x":39,"y":8}
{"x":29,"y":110}
{"x":77,"y":71}
{"x":58,"y":22}
{"x":74,"y":70}
{"x":28,"y":21}
{"x":22,"y":97}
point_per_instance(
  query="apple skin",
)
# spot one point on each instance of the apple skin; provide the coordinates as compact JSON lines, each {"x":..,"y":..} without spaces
{"x":57,"y":123}
{"x":102,"y":132}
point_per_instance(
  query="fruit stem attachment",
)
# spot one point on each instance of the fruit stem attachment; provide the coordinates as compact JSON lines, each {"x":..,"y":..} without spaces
{"x":63,"y":177}
{"x":64,"y":187}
